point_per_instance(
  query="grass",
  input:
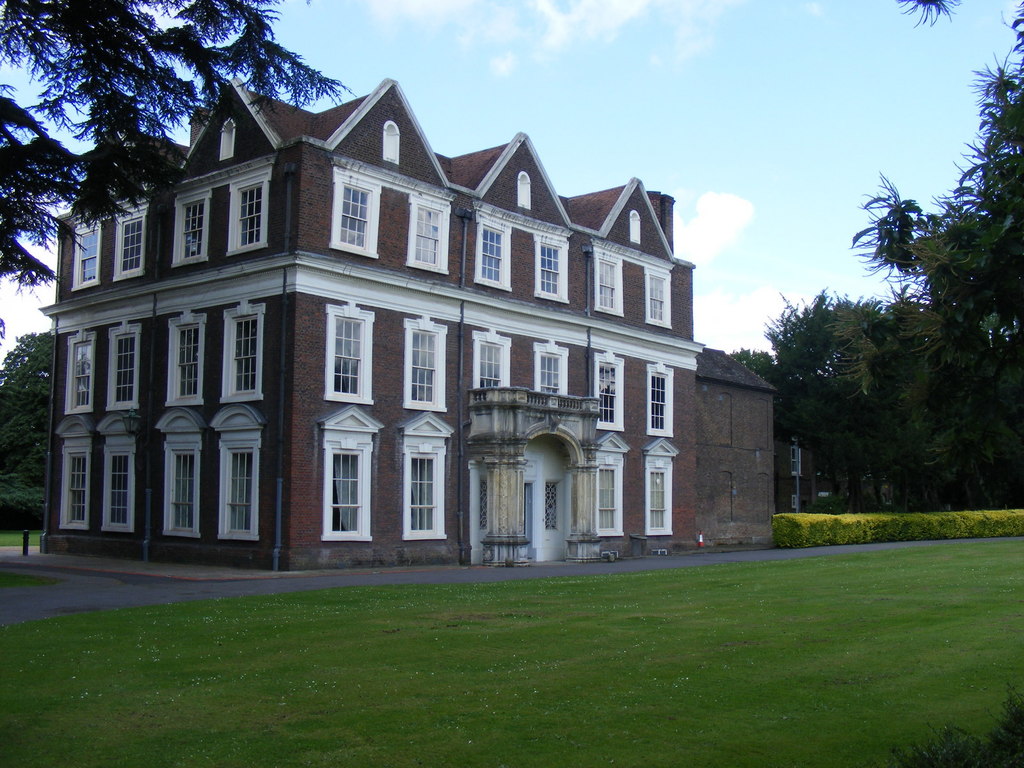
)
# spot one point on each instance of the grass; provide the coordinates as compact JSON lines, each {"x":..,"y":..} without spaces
{"x":14,"y":539}
{"x":821,"y":662}
{"x":22,"y":580}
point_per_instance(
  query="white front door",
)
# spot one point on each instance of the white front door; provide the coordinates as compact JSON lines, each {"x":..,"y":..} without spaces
{"x":545,"y":501}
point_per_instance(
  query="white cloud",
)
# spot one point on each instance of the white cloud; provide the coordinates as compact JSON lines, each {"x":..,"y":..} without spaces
{"x":587,"y":19}
{"x":719,"y":222}
{"x":504,"y":65}
{"x":732,"y":321}
{"x":814,"y":9}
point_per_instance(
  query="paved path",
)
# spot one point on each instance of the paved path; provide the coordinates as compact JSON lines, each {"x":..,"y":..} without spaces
{"x":98,"y":584}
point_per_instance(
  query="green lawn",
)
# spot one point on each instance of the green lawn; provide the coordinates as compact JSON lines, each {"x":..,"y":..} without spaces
{"x":820,"y":662}
{"x":14,"y":539}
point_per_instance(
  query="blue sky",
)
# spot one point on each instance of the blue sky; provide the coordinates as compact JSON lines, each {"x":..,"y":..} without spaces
{"x":770,"y":121}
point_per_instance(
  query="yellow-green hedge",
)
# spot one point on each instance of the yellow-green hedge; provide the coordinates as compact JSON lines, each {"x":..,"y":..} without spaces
{"x":804,"y":530}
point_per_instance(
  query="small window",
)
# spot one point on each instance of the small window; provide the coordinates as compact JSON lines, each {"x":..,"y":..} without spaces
{"x":634,"y":227}
{"x":550,"y":368}
{"x":349,"y":354}
{"x":81,"y":359}
{"x":658,"y":298}
{"x":227,"y":139}
{"x":86,"y":257}
{"x":608,"y":285}
{"x":428,"y":233}
{"x":493,"y":253}
{"x":392,"y":142}
{"x":425,"y":364}
{"x":123,"y":367}
{"x":243,"y":353}
{"x":551,"y":270}
{"x":609,"y":380}
{"x":524,"y":199}
{"x":354,"y":222}
{"x":192,"y":230}
{"x":659,"y":400}
{"x":128,"y":258}
{"x":491,"y":359}
{"x":249,"y":206}
{"x":185,"y":359}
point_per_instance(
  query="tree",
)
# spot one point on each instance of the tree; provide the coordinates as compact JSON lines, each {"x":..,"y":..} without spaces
{"x":958,"y":305}
{"x":120,"y":76}
{"x":24,"y":399}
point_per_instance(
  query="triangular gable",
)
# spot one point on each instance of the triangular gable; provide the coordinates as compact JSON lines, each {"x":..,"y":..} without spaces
{"x":634,"y":197}
{"x":426,"y":425}
{"x":660,"y":447}
{"x":257,"y":109}
{"x":511,"y":162}
{"x":352,"y":419}
{"x":366,"y":105}
{"x":611,"y":442}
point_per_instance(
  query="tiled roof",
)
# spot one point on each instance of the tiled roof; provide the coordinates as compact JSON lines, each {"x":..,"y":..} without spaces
{"x":715,"y":364}
{"x":592,"y":209}
{"x":469,"y":170}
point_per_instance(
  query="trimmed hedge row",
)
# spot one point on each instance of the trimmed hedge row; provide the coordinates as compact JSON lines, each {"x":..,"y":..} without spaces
{"x":809,"y":530}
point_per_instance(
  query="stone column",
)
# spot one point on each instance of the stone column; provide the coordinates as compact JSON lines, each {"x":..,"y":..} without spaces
{"x":583,"y":544}
{"x":505,"y":543}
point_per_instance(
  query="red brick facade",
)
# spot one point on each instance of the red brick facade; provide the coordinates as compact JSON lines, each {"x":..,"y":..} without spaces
{"x":295,"y":450}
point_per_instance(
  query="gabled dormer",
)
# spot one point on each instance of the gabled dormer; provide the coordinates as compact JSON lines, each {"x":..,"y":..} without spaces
{"x":242,"y":128}
{"x":382,"y":131}
{"x":516,"y":181}
{"x":626,"y":216}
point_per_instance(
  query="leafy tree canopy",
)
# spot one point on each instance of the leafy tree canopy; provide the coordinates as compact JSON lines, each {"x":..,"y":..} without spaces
{"x":119,"y":76}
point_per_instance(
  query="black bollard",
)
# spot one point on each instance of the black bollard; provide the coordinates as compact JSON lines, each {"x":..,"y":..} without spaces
{"x":24,"y":543}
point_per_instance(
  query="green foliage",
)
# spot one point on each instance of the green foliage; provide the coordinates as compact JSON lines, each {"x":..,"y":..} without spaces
{"x":828,"y":505}
{"x":822,"y":530}
{"x":120,"y":76}
{"x":953,"y":747}
{"x":24,"y":397}
{"x":952,"y":336}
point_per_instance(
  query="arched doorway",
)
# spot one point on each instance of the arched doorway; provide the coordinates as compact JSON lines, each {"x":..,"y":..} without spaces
{"x":547,"y":498}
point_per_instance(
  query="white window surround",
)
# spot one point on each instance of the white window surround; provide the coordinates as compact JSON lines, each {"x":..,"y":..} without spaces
{"x":257,"y":180}
{"x":343,"y":178}
{"x":549,"y":349}
{"x":658,"y":458}
{"x":115,"y":400}
{"x":611,"y":456}
{"x":118,"y":445}
{"x":240,"y":430}
{"x":232,"y":318}
{"x":607,"y":282}
{"x":352,"y":432}
{"x":664,"y":372}
{"x":442,"y":209}
{"x":75,"y":483}
{"x":81,"y":372}
{"x":424,"y":437}
{"x":561,"y":245}
{"x":523,"y":196}
{"x":503,"y":229}
{"x":504,"y":345}
{"x":364,"y":387}
{"x":227,"y":140}
{"x":191,"y":228}
{"x":183,"y":436}
{"x":391,"y":141}
{"x":134,"y":238}
{"x":87,"y":247}
{"x":634,"y":227}
{"x":617,"y":367}
{"x":437,"y":384}
{"x":175,"y":362}
{"x":653,"y":278}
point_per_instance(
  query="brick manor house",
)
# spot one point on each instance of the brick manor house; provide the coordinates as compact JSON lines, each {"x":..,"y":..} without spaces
{"x":330,"y":346}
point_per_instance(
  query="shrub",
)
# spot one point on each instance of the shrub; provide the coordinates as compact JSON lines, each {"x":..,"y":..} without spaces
{"x":816,"y":530}
{"x":953,"y":748}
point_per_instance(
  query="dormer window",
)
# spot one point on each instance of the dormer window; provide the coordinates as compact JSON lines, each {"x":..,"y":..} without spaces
{"x":523,"y":186}
{"x":392,"y":140}
{"x":227,"y":140}
{"x":634,"y":227}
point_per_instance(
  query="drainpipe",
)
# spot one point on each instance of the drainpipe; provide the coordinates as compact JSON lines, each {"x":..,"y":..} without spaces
{"x":148,"y":425}
{"x":588,"y":254}
{"x":460,"y":431}
{"x":289,"y":180}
